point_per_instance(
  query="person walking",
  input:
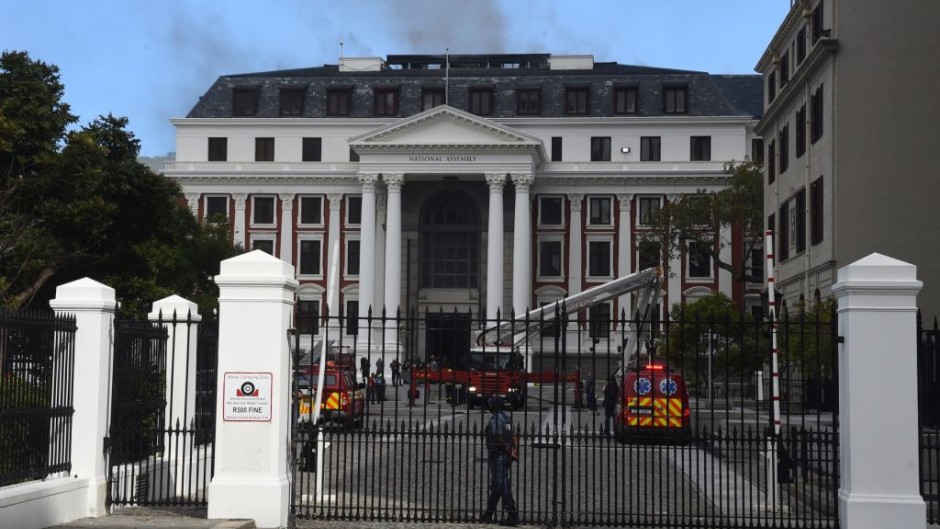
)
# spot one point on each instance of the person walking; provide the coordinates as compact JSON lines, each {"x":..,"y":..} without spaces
{"x":364,"y":368}
{"x":396,"y":372}
{"x":502,"y":451}
{"x":380,"y":365}
{"x":589,"y":390}
{"x":611,"y":393}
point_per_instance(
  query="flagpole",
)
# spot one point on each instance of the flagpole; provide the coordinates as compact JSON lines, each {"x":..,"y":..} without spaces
{"x":446,"y":74}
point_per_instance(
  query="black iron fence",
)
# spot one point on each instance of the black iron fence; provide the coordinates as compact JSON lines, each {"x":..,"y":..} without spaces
{"x":713,"y":459}
{"x":162,"y":426}
{"x":37,"y":359}
{"x":928,"y":388}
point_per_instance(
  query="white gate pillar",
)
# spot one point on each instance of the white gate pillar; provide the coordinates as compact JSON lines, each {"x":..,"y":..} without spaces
{"x":256,"y":299}
{"x":93,"y":305}
{"x":878,"y":428}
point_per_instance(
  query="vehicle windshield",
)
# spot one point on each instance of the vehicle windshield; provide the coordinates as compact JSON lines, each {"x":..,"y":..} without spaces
{"x":308,"y":381}
{"x":492,"y":361}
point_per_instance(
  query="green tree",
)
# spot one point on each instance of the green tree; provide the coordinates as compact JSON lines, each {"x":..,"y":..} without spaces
{"x":77,"y":204}
{"x":699,"y":218}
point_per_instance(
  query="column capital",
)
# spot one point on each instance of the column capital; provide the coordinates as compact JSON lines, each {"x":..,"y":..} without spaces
{"x":192,"y":199}
{"x":287,"y":201}
{"x":394,"y":180}
{"x":335,"y":200}
{"x":625,"y":199}
{"x":496,"y":181}
{"x":240,"y":200}
{"x":368,"y":180}
{"x":522,"y":181}
{"x":576,"y":201}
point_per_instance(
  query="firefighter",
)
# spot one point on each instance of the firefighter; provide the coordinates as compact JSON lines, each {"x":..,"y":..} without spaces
{"x":611,"y":394}
{"x":500,"y":446}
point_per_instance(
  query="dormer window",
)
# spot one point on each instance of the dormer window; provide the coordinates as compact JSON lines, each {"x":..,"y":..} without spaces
{"x":245,"y":101}
{"x":675,"y":99}
{"x":577,"y":99}
{"x":386,"y":101}
{"x":292,"y":101}
{"x":338,"y":101}
{"x":625,"y":98}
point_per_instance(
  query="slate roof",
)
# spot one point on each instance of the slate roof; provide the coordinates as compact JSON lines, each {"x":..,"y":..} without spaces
{"x":708,"y":95}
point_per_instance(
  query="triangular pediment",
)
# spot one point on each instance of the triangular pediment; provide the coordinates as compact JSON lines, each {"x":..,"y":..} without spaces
{"x":443,"y":126}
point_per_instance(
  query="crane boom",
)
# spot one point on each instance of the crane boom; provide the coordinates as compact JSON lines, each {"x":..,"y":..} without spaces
{"x":507,"y":332}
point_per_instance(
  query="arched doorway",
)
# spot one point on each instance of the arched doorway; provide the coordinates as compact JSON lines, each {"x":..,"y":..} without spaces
{"x":449,"y":259}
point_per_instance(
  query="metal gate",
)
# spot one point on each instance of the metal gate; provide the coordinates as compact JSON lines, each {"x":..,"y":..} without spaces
{"x":162,"y":427}
{"x":419,"y":456}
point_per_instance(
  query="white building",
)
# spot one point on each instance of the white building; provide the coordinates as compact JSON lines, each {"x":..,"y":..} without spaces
{"x":465,"y":185}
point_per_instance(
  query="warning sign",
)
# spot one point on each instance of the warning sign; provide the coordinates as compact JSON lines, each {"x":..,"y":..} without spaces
{"x":247,"y":397}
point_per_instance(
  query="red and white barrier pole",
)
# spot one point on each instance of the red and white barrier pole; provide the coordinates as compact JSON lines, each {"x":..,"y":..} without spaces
{"x":772,"y":307}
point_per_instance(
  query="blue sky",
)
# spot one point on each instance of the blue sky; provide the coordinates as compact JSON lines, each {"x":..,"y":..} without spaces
{"x":151,"y":60}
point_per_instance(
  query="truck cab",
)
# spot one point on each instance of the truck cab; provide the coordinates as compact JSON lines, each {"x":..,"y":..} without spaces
{"x":342,"y":400}
{"x":496,"y":371}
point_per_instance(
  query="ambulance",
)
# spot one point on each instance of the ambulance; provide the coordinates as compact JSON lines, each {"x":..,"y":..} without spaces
{"x":342,"y":400}
{"x":654,"y":406}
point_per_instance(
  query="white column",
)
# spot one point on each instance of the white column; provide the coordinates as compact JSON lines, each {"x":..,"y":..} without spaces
{"x":192,"y":200}
{"x":287,"y":228}
{"x":181,"y":319}
{"x":393,"y":183}
{"x":624,"y":251}
{"x":93,"y":306}
{"x":335,"y":201}
{"x":256,"y":301}
{"x":378,"y":299}
{"x":522,"y":246}
{"x":494,"y":247}
{"x":879,"y":447}
{"x":575,"y":246}
{"x":367,"y":247}
{"x":239,"y":220}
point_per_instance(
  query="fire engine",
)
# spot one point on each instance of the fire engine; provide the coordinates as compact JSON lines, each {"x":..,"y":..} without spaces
{"x":497,"y":366}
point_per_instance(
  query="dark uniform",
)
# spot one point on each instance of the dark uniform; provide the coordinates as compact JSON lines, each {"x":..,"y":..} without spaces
{"x":498,"y":435}
{"x":611,"y":393}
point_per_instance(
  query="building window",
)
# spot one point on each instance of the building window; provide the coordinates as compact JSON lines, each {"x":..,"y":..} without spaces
{"x":528,"y":101}
{"x":556,"y":148}
{"x":800,"y":131}
{"x":647,"y":209}
{"x":600,"y":149}
{"x":352,"y":317}
{"x":625,"y":98}
{"x":783,"y":234}
{"x":784,"y":69}
{"x":450,"y":240}
{"x":801,"y":44}
{"x":816,"y":115}
{"x":218,"y":149}
{"x":577,"y":100}
{"x":599,"y":211}
{"x":755,"y":266}
{"x":757,"y":150}
{"x":354,"y":210}
{"x":311,"y":211}
{"x":216,"y":207}
{"x":599,"y":320}
{"x":816,"y":206}
{"x":551,"y":211}
{"x":309,"y":257}
{"x":674,"y":99}
{"x":431,"y":97}
{"x":701,"y":148}
{"x":292,"y":101}
{"x":245,"y":101}
{"x":264,"y":149}
{"x":262,"y":211}
{"x":799,"y":208}
{"x":649,"y":255}
{"x":771,"y":162}
{"x":699,"y":260}
{"x":550,"y":255}
{"x":353,"y":155}
{"x":599,"y":258}
{"x":650,"y":148}
{"x":266,"y":245}
{"x":312,"y":150}
{"x":818,"y":21}
{"x":783,"y":139}
{"x":771,"y":87}
{"x":481,"y":101}
{"x":352,"y":257}
{"x":338,"y":102}
{"x":308,"y":316}
{"x":386,"y":101}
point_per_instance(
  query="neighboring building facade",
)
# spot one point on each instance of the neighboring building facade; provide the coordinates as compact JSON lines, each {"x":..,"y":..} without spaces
{"x":469,"y":184}
{"x":849,"y":124}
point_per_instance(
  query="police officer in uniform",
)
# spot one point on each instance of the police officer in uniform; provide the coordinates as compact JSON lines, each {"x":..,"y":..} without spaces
{"x":498,"y":436}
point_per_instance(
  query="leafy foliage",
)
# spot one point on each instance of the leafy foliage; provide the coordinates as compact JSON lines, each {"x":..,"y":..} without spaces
{"x":76,"y":204}
{"x":701,"y":216}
